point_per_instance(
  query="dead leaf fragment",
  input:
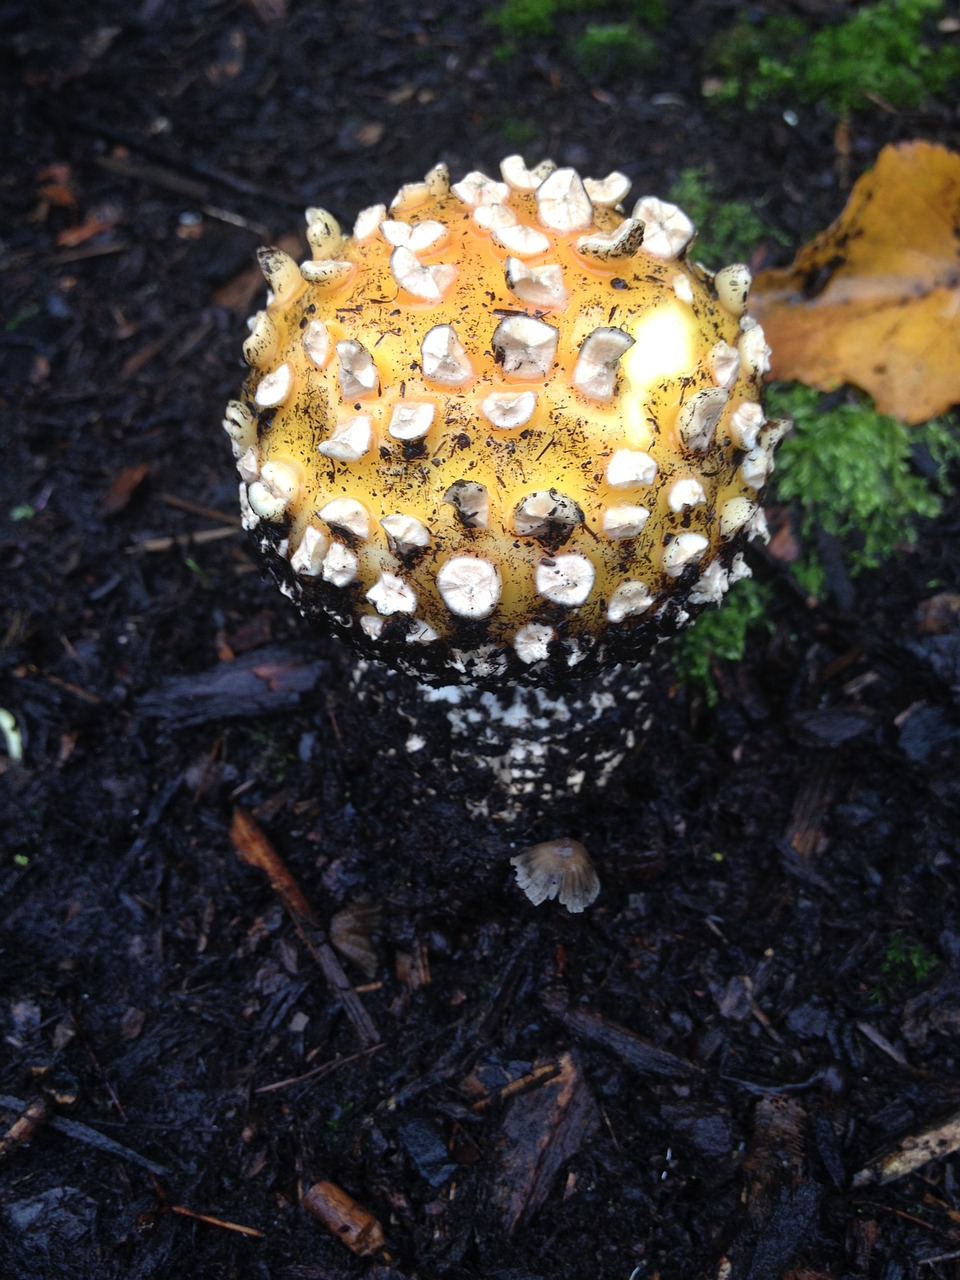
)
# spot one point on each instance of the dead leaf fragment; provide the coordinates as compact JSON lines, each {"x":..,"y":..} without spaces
{"x":71,"y":237}
{"x":131,"y":1024}
{"x":542,"y":1130}
{"x":351,"y":932}
{"x":875,"y":299}
{"x":56,"y":186}
{"x":413,"y":967}
{"x":254,"y":848}
{"x":269,"y":11}
{"x":122,"y":488}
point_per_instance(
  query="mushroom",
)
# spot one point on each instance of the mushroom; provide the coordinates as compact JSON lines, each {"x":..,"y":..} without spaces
{"x":504,"y":439}
{"x":559,"y":869}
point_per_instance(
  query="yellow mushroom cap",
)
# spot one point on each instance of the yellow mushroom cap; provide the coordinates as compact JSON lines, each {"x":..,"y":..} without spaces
{"x":504,"y":428}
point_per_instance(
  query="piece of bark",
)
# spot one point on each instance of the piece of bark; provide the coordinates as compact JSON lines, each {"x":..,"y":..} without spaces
{"x":935,"y":1010}
{"x":543,"y":1129}
{"x":911,"y":1152}
{"x":267,"y":680}
{"x":881,"y":1042}
{"x":782,"y":1203}
{"x":811,"y":804}
{"x":775,"y":1156}
{"x":426,"y":1150}
{"x":787,"y":1235}
{"x":355,"y":1226}
{"x":638,"y":1054}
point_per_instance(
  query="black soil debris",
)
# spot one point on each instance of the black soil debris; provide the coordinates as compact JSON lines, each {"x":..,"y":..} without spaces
{"x":261,"y":1015}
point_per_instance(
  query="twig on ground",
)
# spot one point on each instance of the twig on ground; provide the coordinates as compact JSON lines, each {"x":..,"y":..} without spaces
{"x":635,"y":1052}
{"x":91,"y":1137}
{"x":318,"y":1073}
{"x":184,"y":1212}
{"x":255,"y":849}
{"x":198,"y":509}
{"x":185,"y":540}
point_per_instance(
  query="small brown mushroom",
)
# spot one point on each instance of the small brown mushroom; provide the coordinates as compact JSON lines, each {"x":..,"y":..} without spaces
{"x":559,"y":869}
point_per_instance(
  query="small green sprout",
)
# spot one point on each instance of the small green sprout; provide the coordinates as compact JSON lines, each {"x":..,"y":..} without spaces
{"x":198,"y":571}
{"x":25,"y":313}
{"x":519,"y":133}
{"x":276,"y":755}
{"x":906,"y":963}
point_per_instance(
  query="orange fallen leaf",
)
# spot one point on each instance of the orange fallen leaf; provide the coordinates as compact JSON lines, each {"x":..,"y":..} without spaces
{"x":875,"y":299}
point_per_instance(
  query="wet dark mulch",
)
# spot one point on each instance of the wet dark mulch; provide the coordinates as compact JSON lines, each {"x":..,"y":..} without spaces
{"x":698,"y":1078}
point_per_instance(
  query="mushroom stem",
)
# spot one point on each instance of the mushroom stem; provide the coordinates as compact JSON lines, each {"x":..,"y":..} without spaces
{"x":514,"y":754}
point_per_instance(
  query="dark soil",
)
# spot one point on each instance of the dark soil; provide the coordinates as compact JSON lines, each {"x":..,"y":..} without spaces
{"x":765,"y":997}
